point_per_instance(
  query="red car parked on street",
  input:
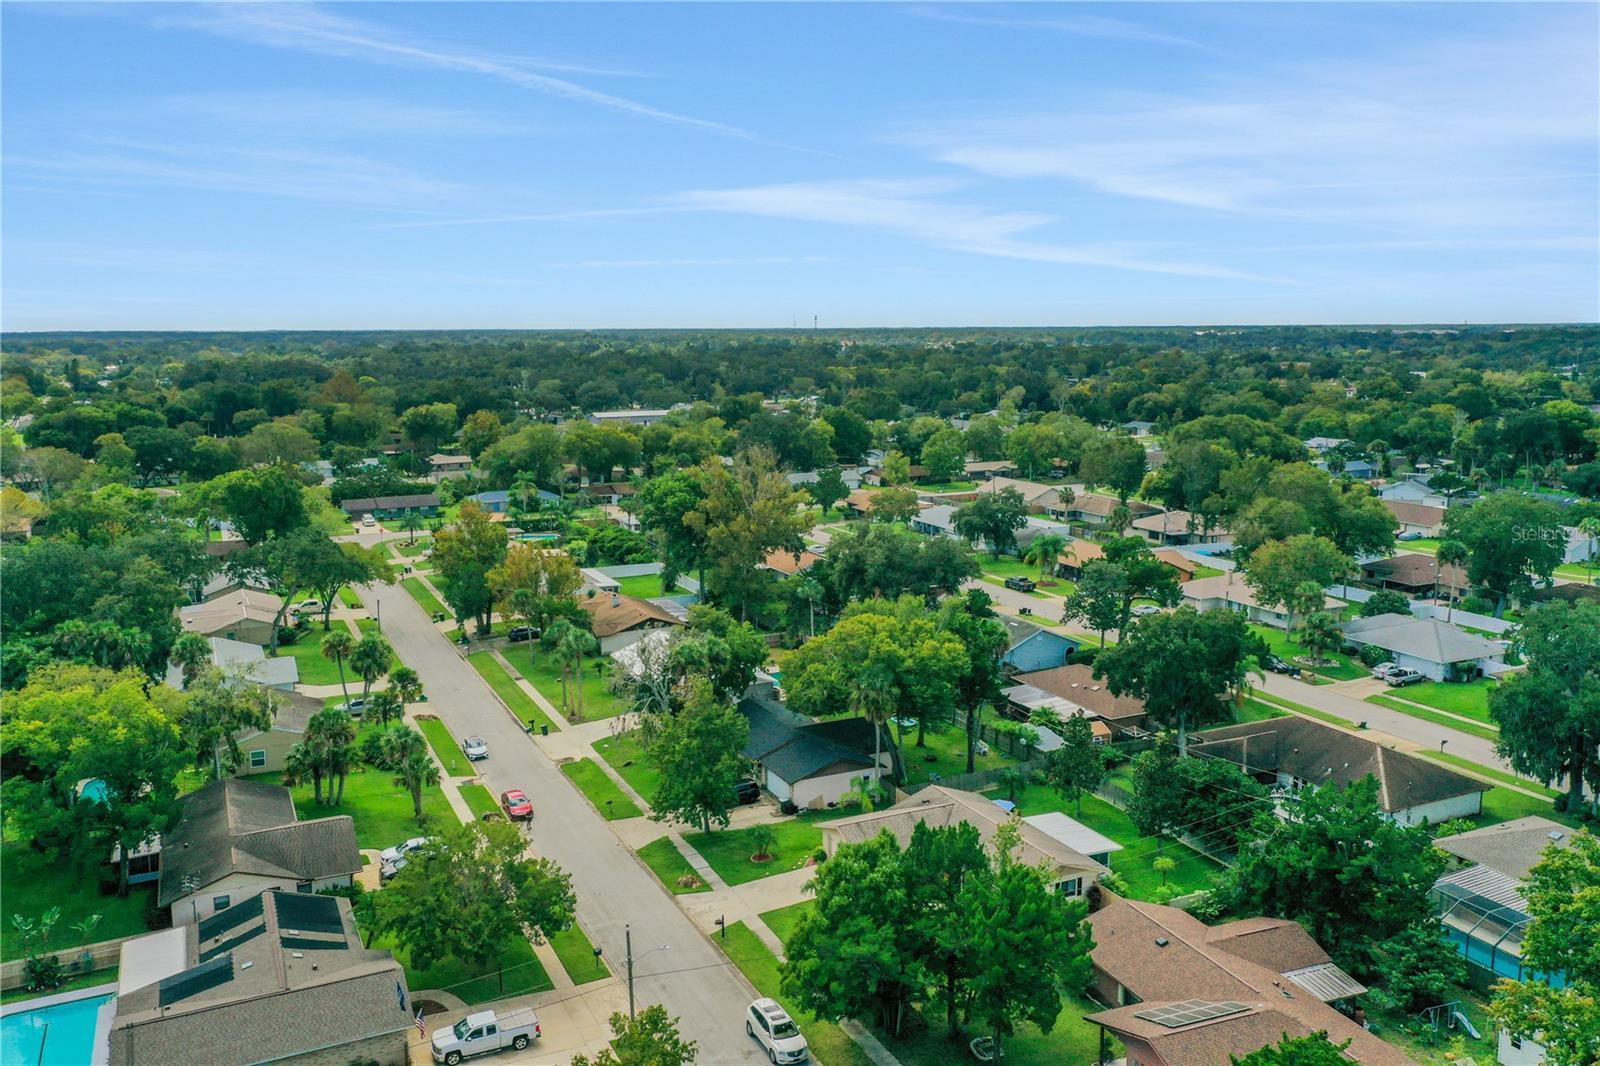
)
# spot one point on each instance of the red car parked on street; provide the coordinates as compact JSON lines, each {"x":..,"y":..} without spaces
{"x":516,"y":805}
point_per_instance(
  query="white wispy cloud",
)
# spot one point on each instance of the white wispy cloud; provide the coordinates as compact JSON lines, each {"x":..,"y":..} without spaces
{"x":307,"y":28}
{"x":922,"y":210}
{"x":1078,"y":25}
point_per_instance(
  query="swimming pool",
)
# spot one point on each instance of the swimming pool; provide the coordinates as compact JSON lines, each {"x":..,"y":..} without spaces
{"x":65,"y":1032}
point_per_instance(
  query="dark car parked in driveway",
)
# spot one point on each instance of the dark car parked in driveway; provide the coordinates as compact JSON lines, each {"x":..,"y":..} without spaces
{"x":518,"y":634}
{"x":747,"y":792}
{"x":1278,"y":666}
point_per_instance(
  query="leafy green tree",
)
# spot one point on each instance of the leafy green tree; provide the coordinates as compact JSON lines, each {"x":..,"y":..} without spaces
{"x":471,"y":892}
{"x":1313,"y":1050}
{"x":937,"y":865}
{"x":749,"y":510}
{"x":1045,"y":552}
{"x":480,"y":432}
{"x":896,"y":468}
{"x":1098,"y":598}
{"x":1386,"y":601}
{"x":723,"y":651}
{"x":1417,"y":967}
{"x":1188,"y":667}
{"x":337,"y":646}
{"x":1563,"y":895}
{"x":994,"y":517}
{"x":532,"y":452}
{"x":278,"y":442}
{"x":1076,"y":766}
{"x":533,"y":584}
{"x":1336,"y":863}
{"x":260,"y":502}
{"x":1549,"y":714}
{"x":886,"y":560}
{"x":1029,"y":942}
{"x":698,"y":752}
{"x":1115,"y":461}
{"x":1278,"y":568}
{"x":1146,"y":576}
{"x":218,"y":704}
{"x":649,"y":1039}
{"x":1510,"y":540}
{"x":71,"y":724}
{"x":969,"y":616}
{"x":463,"y":554}
{"x":429,"y":425}
{"x":945,"y":455}
{"x":828,"y":489}
{"x":1321,"y":635}
{"x":896,"y":504}
{"x":1033,"y":447}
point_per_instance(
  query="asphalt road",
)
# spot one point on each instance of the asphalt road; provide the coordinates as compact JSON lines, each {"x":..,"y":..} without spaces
{"x":690,"y":977}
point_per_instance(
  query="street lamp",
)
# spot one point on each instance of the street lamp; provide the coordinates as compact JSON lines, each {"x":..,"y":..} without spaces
{"x":627,"y":932}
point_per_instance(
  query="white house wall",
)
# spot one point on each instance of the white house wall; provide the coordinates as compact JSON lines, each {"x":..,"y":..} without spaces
{"x":821,"y":791}
{"x":1441,"y":810}
{"x":238,"y":888}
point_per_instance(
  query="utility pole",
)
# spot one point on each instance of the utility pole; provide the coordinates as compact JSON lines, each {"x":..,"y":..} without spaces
{"x":627,"y":933}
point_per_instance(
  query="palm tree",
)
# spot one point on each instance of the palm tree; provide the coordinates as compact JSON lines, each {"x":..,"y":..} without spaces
{"x":1451,"y":553}
{"x":330,"y":737}
{"x":762,"y":836}
{"x":385,"y":705}
{"x":338,"y":645}
{"x":575,"y":644}
{"x":301,"y":764}
{"x":1321,"y":634}
{"x":554,"y":639}
{"x":1119,"y":519}
{"x":405,"y":683}
{"x":191,"y":651}
{"x":406,"y":754}
{"x":873,"y":695}
{"x":1045,"y":550}
{"x":371,"y":658}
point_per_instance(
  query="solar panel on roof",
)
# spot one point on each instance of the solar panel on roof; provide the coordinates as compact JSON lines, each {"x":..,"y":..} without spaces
{"x":308,"y":942}
{"x":193,"y":981}
{"x":233,"y":942}
{"x":224,"y":920}
{"x":1189,"y":1012}
{"x":317,"y":914}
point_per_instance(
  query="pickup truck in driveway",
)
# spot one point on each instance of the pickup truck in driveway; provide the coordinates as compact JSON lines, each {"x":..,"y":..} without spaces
{"x":484,"y":1033}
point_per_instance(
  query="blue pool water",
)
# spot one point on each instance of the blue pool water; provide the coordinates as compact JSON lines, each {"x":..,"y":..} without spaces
{"x":65,"y":1030}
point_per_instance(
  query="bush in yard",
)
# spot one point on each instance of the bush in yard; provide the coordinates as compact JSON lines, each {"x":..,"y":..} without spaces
{"x":761,"y":838}
{"x":1372,"y":655}
{"x":1475,"y":604}
{"x":1386,"y":601}
{"x":43,"y":973}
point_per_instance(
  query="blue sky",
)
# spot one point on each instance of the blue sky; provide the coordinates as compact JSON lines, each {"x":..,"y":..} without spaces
{"x":518,"y":165}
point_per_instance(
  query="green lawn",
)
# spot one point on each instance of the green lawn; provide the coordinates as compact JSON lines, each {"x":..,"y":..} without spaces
{"x":1070,"y":1040}
{"x":545,"y":673}
{"x":1287,"y":648}
{"x":668,"y":864}
{"x":509,"y":691}
{"x":600,"y":790}
{"x":315,"y":669}
{"x":524,"y":974}
{"x":729,"y":850}
{"x":348,"y":597}
{"x":106,"y":977}
{"x":643,"y":586}
{"x":1133,"y":863}
{"x":1253,"y":710}
{"x":1202,"y":570}
{"x":755,"y":960}
{"x":424,"y":597}
{"x":1470,"y":698}
{"x":626,"y":755}
{"x":479,"y":799}
{"x":1502,"y":804}
{"x":995,"y":571}
{"x":949,"y":750}
{"x":399,"y":549}
{"x":381,"y":809}
{"x":577,"y":956}
{"x":445,"y":747}
{"x":1489,"y":772}
{"x":945,"y":486}
{"x":1449,"y":721}
{"x":1310,"y":712}
{"x":33,"y":885}
{"x":783,"y":920}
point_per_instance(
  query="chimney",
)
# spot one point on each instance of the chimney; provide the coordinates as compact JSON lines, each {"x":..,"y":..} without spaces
{"x":616,"y":600}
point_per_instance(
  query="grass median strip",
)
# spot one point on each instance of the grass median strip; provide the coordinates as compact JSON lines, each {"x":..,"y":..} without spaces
{"x":596,"y":784}
{"x":445,"y":747}
{"x":1300,"y":708}
{"x":1489,"y":772}
{"x":626,"y":755}
{"x":424,"y":596}
{"x":479,"y":799}
{"x":668,"y":864}
{"x":1448,"y":721}
{"x":577,"y":956}
{"x":508,"y":690}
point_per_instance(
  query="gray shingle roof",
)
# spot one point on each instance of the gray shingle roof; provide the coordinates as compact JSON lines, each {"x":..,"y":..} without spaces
{"x":794,"y":748}
{"x":1425,"y":638}
{"x":1511,"y":848}
{"x":237,"y":825}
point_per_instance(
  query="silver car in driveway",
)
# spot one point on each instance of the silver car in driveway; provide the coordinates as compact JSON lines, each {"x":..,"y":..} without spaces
{"x":475,"y":748}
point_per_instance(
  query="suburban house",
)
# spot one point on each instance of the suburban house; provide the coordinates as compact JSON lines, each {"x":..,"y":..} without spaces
{"x":1075,"y":835}
{"x":788,"y":563}
{"x":1077,"y":555}
{"x":1318,"y":445}
{"x":1074,"y":690}
{"x":1435,"y":649}
{"x":1480,"y":898}
{"x":385,"y":508}
{"x":236,"y":839}
{"x":1184,"y":568}
{"x":1581,"y":547}
{"x":1292,"y":753}
{"x":984,"y":469}
{"x":938,"y":520}
{"x":859,"y":502}
{"x":1177,"y":527}
{"x":1417,"y":575}
{"x":1186,"y":994}
{"x":498,"y":501}
{"x":598,"y":580}
{"x":916,"y":474}
{"x":246,"y":662}
{"x":810,"y":763}
{"x":281,"y":977}
{"x":1034,"y":647}
{"x":1039,"y":498}
{"x":1137,"y":428}
{"x":1410,"y":517}
{"x":637,"y":416}
{"x":1229,"y":592}
{"x":1069,"y":872}
{"x":617,"y":620}
{"x":1095,"y":509}
{"x":1414,"y":489}
{"x":608,"y":492}
{"x":441,"y":466}
{"x":264,"y":750}
{"x":241,"y":615}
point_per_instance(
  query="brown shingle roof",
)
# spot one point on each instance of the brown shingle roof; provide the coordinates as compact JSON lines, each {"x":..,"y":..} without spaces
{"x":1177,"y":560}
{"x":229,"y":609}
{"x":790,"y":563}
{"x":1415,"y":514}
{"x":1320,"y":754}
{"x":614,"y":613}
{"x":1415,"y":570}
{"x":1077,"y":684}
{"x":1100,"y":505}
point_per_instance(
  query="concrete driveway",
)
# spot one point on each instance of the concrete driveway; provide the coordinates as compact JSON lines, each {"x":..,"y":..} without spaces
{"x":689,"y":976}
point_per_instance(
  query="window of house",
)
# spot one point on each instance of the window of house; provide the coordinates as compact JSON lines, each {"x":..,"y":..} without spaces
{"x":1069,"y":887}
{"x":303,"y":886}
{"x":221,"y":903}
{"x":258,"y":759}
{"x":1516,"y":1043}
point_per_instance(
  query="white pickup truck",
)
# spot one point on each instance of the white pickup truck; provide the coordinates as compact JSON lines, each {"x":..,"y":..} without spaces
{"x":484,"y":1033}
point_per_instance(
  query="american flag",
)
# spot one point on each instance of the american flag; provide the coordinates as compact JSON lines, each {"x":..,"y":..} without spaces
{"x":423,"y":1029}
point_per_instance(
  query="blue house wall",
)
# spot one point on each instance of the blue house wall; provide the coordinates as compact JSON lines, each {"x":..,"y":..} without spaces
{"x":1043,"y":650}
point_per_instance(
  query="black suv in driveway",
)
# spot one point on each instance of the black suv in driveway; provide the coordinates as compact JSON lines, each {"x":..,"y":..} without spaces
{"x":1020,"y":584}
{"x":518,"y":634}
{"x":747,"y":792}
